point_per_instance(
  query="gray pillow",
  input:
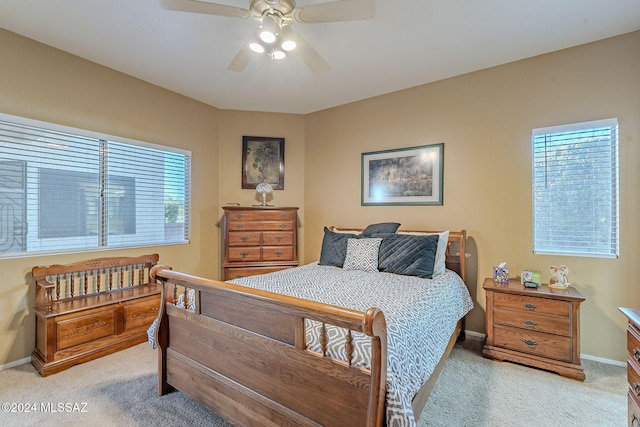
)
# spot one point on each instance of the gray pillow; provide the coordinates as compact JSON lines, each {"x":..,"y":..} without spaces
{"x":334,"y":248}
{"x":382,"y":227}
{"x":408,"y":254}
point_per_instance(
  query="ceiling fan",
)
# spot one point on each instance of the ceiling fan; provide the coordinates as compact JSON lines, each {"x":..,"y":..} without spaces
{"x":276,"y":36}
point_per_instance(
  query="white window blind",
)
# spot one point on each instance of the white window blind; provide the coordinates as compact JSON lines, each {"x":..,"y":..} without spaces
{"x":575,"y":189}
{"x":68,"y":190}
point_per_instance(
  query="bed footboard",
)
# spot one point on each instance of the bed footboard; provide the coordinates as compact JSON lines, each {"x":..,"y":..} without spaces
{"x":242,"y":353}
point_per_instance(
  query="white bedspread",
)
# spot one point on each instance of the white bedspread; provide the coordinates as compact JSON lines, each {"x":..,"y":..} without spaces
{"x":421,"y":315}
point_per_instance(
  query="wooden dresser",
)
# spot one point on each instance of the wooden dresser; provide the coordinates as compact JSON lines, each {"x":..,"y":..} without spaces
{"x":633,"y":364}
{"x":535,"y":327}
{"x":259,"y":240}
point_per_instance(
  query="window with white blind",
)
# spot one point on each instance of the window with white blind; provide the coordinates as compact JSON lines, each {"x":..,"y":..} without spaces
{"x":575,"y":189}
{"x":69,"y":190}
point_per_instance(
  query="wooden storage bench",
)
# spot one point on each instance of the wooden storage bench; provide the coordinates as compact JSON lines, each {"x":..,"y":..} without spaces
{"x":92,"y":308}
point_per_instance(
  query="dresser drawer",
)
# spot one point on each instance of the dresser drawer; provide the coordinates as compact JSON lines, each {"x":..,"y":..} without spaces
{"x":634,"y":380}
{"x":259,"y":215}
{"x":273,"y":238}
{"x":260,"y":226}
{"x":533,"y":321}
{"x":634,"y":411}
{"x":278,"y":253}
{"x":236,"y":273}
{"x":532,"y":342}
{"x":242,"y":238}
{"x":245,"y":254}
{"x":532,"y":304}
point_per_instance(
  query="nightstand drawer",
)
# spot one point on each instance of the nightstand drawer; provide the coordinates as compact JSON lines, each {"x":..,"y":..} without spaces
{"x":532,"y":304}
{"x":241,"y":238}
{"x":278,"y":253}
{"x":538,"y":343}
{"x":244,"y":254}
{"x":533,"y":321}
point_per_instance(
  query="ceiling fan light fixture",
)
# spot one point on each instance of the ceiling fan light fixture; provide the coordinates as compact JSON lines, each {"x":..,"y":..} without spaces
{"x":256,"y":47}
{"x":277,"y":54}
{"x":288,"y":45}
{"x":270,"y":26}
{"x":267,"y":37}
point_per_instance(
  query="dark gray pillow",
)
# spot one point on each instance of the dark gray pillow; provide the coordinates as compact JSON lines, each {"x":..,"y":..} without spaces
{"x":382,"y":227}
{"x":408,"y":254}
{"x":334,"y":248}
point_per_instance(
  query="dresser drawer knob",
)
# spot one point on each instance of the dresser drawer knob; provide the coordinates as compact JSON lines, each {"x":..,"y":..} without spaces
{"x":529,"y":306}
{"x":278,"y":239}
{"x":244,"y":239}
{"x":636,"y":389}
{"x":530,"y":323}
{"x":239,"y":226}
{"x":278,"y":254}
{"x":244,"y":254}
{"x":636,"y":354}
{"x":530,"y":343}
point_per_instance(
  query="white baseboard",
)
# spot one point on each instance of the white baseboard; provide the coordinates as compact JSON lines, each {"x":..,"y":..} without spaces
{"x":603,"y":360}
{"x":15,"y":363}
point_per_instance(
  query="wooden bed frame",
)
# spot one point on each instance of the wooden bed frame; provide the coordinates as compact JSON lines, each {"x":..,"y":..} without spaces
{"x":241,"y":353}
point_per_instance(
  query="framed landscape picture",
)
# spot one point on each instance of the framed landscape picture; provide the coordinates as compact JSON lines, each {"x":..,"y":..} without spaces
{"x":262,"y":161}
{"x":405,"y":176}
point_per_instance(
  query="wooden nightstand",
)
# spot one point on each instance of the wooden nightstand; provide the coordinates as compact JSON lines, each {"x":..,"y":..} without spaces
{"x":535,"y":327}
{"x":633,"y":364}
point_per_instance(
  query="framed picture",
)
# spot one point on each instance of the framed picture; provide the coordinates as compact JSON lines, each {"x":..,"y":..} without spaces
{"x":262,"y":161}
{"x":406,"y":176}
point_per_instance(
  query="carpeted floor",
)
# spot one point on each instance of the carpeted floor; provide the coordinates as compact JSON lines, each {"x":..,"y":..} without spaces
{"x":120,"y":390}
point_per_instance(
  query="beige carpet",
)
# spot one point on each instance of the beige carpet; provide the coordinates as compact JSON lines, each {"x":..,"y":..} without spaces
{"x":120,"y":390}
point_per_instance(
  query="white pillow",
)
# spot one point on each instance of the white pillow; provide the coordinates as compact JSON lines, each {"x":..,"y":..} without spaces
{"x":362,"y":254}
{"x":439,"y":266}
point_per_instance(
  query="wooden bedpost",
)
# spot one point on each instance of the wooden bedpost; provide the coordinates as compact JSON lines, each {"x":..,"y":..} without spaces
{"x":375,"y":325}
{"x":161,"y":333}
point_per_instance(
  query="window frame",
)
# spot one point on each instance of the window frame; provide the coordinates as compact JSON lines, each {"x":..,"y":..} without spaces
{"x":106,"y":138}
{"x":613,"y":243}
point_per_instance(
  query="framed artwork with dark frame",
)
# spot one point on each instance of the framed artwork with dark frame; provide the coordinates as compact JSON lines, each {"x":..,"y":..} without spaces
{"x":404,"y":176}
{"x":262,"y":161}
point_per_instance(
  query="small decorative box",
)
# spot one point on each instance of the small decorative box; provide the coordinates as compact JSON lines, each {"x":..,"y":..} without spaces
{"x":500,"y":274}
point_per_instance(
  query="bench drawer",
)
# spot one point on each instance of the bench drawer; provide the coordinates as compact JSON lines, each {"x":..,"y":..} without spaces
{"x":83,"y":329}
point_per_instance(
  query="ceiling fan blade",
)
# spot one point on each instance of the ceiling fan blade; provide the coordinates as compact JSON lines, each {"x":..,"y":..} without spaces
{"x":343,"y":10}
{"x":241,"y":60}
{"x":196,"y":6}
{"x":309,"y":55}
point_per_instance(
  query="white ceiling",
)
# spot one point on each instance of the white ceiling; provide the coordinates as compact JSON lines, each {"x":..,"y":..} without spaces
{"x":409,"y":43}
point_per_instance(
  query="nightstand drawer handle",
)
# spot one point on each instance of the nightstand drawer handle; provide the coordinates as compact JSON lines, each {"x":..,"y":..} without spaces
{"x":530,"y":323}
{"x":635,"y":422}
{"x":636,"y":389}
{"x":636,"y":354}
{"x":529,"y":306}
{"x":530,"y":343}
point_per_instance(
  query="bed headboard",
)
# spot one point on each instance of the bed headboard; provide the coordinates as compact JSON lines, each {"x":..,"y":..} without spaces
{"x":455,"y":258}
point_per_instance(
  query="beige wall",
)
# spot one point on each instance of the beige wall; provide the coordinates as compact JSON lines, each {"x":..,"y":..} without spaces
{"x":46,"y":84}
{"x":485,"y":120}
